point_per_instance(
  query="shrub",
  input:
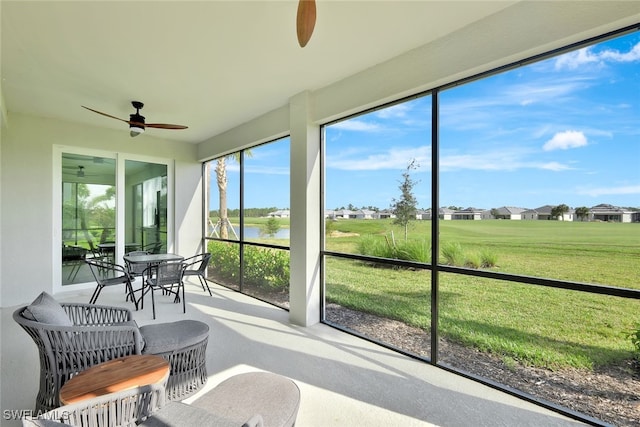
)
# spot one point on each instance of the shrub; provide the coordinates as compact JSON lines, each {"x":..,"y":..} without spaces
{"x":453,"y":253}
{"x":227,"y":260}
{"x":263,"y":267}
{"x":372,"y":246}
{"x":412,"y":250}
{"x":266,"y":268}
{"x":634,"y":336}
{"x":472,"y":260}
{"x":489,"y":259}
{"x":329,"y":226}
{"x":415,"y":250}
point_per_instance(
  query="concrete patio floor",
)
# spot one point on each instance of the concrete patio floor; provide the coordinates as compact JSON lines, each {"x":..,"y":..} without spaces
{"x":344,"y":380}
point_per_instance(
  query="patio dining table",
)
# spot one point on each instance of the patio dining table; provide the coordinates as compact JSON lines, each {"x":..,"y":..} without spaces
{"x":151,"y":259}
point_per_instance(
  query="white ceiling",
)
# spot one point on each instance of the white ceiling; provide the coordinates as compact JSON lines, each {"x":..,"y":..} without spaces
{"x":210,"y":65}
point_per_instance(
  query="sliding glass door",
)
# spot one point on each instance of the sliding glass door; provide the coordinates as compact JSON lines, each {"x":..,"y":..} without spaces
{"x":109,"y":206}
{"x":88,"y":212}
{"x":146,"y":206}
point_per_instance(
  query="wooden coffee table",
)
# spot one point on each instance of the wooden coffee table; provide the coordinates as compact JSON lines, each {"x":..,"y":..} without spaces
{"x":115,"y":375}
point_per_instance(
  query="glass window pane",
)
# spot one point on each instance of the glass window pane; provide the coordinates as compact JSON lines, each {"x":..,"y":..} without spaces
{"x":224,"y":197}
{"x":378,"y":180}
{"x":383,"y":303}
{"x":266,"y":193}
{"x":225,"y":265}
{"x":555,"y":344}
{"x":88,"y":212}
{"x":266,"y":274}
{"x":146,"y":206}
{"x":538,"y":168}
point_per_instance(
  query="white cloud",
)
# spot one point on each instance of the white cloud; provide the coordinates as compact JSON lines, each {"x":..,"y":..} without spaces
{"x":581,"y":57}
{"x":631,"y":56}
{"x":496,"y":161}
{"x":610,"y":191}
{"x":357,"y":125}
{"x":392,"y":159}
{"x":576,"y":59}
{"x":395,"y":111}
{"x":554,"y":166}
{"x":565,"y":140}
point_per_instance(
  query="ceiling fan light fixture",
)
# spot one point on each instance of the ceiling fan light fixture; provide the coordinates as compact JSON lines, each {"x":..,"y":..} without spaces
{"x":135,"y":130}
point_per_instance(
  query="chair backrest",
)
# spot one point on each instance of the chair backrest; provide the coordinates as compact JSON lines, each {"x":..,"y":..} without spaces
{"x":102,"y":269}
{"x":199,"y":262}
{"x":98,"y":334}
{"x":135,"y":269}
{"x":168,"y":273}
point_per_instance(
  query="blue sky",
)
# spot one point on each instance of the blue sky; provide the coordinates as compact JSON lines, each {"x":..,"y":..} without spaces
{"x":564,"y":130}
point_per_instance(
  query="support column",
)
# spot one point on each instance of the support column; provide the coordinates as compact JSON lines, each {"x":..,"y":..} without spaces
{"x":304,"y":287}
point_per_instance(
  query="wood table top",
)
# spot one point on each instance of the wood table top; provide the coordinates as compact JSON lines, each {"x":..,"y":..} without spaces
{"x":115,"y":375}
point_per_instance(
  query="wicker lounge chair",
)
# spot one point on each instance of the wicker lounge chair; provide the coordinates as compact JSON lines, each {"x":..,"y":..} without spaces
{"x":73,"y":337}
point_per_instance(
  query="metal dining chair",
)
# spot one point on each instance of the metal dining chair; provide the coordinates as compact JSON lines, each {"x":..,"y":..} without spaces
{"x":164,"y":276}
{"x":197,"y":266}
{"x":135,"y":270}
{"x":106,"y":274}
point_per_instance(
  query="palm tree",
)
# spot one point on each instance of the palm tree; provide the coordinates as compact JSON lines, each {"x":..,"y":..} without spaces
{"x":559,"y":211}
{"x":223,"y":223}
{"x":582,"y":212}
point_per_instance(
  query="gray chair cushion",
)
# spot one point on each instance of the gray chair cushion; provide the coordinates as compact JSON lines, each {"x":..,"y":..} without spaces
{"x":178,"y":414}
{"x":165,"y":337}
{"x":45,"y":309}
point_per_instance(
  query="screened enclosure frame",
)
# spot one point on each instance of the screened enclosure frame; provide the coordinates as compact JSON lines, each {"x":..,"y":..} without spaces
{"x":435,"y":267}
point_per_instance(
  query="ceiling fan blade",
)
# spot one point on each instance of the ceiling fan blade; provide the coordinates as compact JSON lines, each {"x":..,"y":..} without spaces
{"x":140,"y":120}
{"x":165,"y":126}
{"x":105,"y":114}
{"x":306,"y":21}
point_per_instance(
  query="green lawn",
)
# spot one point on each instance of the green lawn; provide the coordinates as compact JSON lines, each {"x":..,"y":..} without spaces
{"x":531,"y":324}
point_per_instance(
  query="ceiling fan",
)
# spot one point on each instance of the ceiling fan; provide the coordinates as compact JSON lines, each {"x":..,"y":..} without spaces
{"x":136,"y":121}
{"x":306,"y":21}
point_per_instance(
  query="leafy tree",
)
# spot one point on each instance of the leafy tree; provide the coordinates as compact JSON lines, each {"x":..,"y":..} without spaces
{"x":582,"y":212}
{"x":405,"y":208}
{"x":271,"y":227}
{"x":559,"y":211}
{"x":495,"y":213}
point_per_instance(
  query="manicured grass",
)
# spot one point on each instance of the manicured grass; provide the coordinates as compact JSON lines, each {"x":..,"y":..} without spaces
{"x":534,"y":325}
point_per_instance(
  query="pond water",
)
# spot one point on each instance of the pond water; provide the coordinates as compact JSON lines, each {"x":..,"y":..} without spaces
{"x":254,"y":233}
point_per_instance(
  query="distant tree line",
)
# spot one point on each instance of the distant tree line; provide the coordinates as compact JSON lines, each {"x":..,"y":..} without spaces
{"x":248,"y":212}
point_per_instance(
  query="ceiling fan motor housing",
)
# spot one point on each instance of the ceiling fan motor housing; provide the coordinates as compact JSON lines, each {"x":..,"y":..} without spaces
{"x":136,"y":124}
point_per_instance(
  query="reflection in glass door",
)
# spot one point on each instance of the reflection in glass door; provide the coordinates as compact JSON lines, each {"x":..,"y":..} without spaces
{"x":88,"y":213}
{"x":146,"y":206}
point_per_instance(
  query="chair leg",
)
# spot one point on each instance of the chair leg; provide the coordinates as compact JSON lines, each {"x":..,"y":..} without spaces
{"x":131,"y":294}
{"x":184,"y":304}
{"x":153,"y":304}
{"x":95,"y":295}
{"x":204,"y":283}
